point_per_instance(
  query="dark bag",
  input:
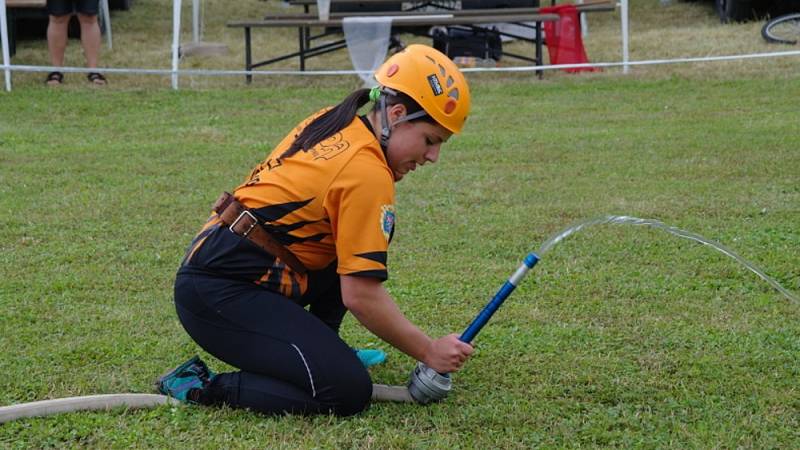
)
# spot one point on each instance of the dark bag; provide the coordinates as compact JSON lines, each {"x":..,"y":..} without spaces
{"x":455,"y":42}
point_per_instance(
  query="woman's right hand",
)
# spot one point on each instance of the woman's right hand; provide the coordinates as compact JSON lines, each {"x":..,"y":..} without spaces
{"x":447,"y":354}
{"x":370,"y":304}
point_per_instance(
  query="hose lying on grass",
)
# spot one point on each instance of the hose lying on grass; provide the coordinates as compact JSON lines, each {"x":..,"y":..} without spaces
{"x":102,"y":402}
{"x":105,"y":402}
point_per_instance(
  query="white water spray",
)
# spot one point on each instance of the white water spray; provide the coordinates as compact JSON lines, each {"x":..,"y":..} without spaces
{"x":627,"y":220}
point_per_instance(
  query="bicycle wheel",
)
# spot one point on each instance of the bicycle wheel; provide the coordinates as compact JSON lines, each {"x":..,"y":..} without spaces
{"x":782,"y":29}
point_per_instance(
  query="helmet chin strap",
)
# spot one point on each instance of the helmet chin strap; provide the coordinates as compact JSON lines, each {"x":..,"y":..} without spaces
{"x":386,"y":129}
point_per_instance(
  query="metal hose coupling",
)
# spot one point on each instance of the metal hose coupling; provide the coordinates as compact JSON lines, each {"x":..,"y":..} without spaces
{"x":427,"y":385}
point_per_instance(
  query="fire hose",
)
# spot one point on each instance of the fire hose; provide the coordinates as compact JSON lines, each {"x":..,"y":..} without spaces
{"x":424,"y":386}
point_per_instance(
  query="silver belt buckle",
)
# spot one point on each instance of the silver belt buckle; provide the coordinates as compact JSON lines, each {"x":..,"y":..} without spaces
{"x":253,"y":225}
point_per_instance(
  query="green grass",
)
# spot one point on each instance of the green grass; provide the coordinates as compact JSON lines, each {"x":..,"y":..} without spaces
{"x":621,"y":336}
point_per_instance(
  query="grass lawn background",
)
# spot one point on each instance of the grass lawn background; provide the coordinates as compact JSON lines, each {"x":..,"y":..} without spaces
{"x":621,"y":336}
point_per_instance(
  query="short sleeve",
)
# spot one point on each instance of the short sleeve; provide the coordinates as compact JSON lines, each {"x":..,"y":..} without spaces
{"x":360,"y":205}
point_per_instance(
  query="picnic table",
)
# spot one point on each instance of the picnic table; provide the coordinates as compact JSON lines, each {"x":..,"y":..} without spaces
{"x":476,"y":19}
{"x":307,"y":49}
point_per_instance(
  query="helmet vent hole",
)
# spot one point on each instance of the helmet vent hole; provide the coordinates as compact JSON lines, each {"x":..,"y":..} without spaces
{"x":442,"y":72}
{"x":453,"y":94}
{"x":450,"y":81}
{"x":433,"y":61}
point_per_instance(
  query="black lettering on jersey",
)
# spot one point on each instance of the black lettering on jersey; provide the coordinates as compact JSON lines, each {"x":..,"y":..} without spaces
{"x":330,"y":148}
{"x":436,"y":87}
{"x":254,"y":179}
{"x":256,"y":170}
{"x":255,"y":175}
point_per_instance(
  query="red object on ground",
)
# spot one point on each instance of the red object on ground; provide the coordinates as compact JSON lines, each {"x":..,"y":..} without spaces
{"x":563,"y":38}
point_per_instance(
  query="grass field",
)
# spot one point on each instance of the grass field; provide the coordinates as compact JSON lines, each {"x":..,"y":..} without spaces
{"x":620,"y":337}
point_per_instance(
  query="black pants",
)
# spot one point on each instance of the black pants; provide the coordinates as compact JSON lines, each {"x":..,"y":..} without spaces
{"x":290,"y":360}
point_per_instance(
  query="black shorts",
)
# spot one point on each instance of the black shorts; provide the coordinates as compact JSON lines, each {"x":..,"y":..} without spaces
{"x":67,"y":7}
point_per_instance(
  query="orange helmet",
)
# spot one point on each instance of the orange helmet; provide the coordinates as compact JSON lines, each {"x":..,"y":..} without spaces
{"x":432,"y":80}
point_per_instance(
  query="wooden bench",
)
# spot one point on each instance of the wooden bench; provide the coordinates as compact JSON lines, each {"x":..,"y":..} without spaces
{"x":307,"y":50}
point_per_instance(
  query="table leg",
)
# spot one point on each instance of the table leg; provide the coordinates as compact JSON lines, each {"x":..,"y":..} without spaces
{"x":539,"y":58}
{"x":248,"y":59}
{"x":302,"y":38}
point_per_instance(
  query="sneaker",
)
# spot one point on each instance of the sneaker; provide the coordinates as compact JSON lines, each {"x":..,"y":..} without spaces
{"x":370,"y":357}
{"x":180,"y":381}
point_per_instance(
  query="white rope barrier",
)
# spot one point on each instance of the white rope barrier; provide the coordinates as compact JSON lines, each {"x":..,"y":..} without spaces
{"x":204,"y":72}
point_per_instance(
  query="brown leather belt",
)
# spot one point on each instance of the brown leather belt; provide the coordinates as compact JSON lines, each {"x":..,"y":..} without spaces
{"x":243,"y":223}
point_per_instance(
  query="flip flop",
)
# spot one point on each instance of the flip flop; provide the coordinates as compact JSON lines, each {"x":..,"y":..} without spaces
{"x":97,"y":78}
{"x":54,"y":78}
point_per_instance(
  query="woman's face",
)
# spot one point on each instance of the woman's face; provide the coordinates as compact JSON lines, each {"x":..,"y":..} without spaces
{"x":413,"y":144}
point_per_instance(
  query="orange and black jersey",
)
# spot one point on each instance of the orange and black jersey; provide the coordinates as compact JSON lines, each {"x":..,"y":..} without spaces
{"x":334,"y":202}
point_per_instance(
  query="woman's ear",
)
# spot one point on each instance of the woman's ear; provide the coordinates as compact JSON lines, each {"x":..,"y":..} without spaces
{"x":396,"y":112}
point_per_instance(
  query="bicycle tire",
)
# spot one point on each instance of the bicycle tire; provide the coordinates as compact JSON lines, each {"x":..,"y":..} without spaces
{"x":782,"y":29}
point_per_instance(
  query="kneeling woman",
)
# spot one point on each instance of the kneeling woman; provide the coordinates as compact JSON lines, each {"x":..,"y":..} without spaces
{"x":311,"y":227}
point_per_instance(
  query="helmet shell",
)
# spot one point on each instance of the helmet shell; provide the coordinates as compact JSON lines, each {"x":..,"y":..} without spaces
{"x":432,"y":80}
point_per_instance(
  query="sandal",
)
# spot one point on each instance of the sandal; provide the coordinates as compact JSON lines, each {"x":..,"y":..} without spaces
{"x":54,"y":78}
{"x":97,"y":78}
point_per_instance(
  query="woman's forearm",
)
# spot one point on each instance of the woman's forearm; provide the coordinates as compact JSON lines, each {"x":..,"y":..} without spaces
{"x":373,"y":307}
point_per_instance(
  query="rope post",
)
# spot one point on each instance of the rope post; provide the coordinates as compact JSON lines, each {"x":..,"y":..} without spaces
{"x":196,"y":21}
{"x":584,"y":22}
{"x":624,"y":21}
{"x":176,"y":40}
{"x":107,"y":21}
{"x":4,"y":38}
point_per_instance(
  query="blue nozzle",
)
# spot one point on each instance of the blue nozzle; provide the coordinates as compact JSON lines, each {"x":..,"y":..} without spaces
{"x":531,"y":260}
{"x":483,"y":317}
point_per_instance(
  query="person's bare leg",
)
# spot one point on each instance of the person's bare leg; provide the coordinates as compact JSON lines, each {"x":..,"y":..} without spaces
{"x":57,"y":41}
{"x":90,"y":39}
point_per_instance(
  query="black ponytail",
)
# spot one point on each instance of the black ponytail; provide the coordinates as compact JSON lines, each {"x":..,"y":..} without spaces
{"x":329,"y":123}
{"x":335,"y":119}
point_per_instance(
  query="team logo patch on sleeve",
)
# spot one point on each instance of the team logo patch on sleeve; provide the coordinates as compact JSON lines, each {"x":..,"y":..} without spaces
{"x":387,"y":221}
